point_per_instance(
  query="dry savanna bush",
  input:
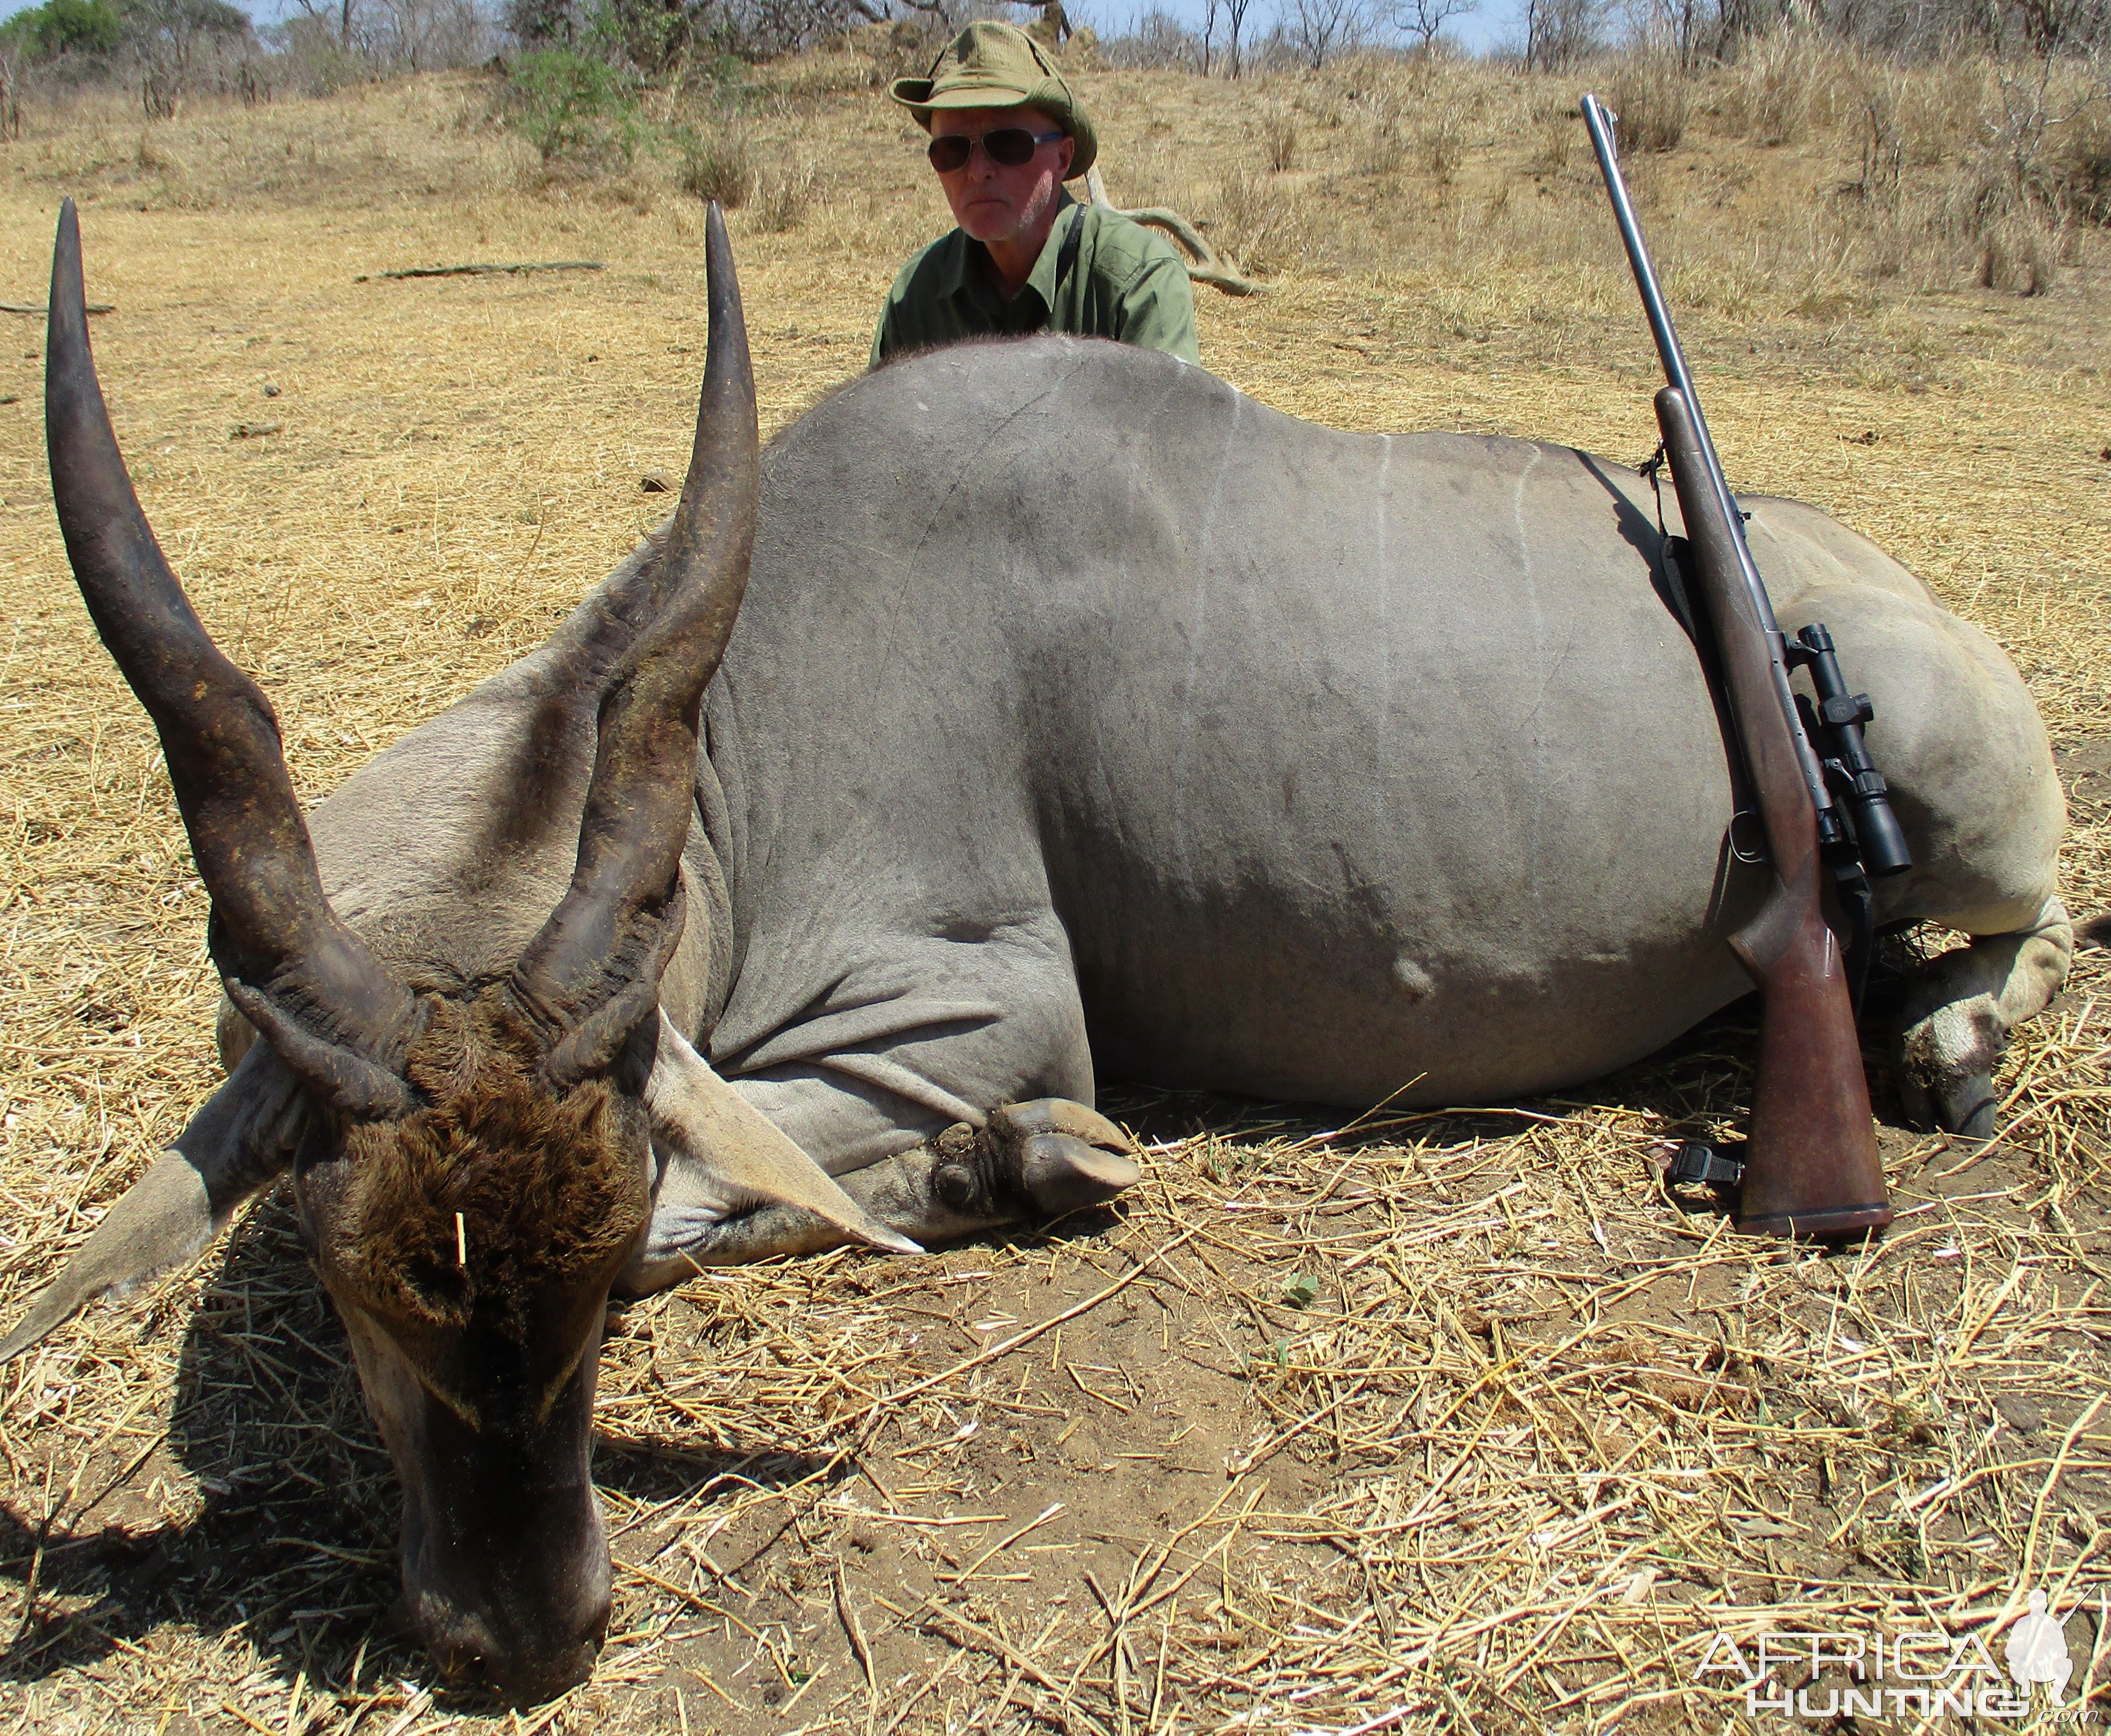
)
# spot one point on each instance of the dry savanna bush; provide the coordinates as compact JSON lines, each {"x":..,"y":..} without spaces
{"x":1969,"y":167}
{"x":1422,"y":1422}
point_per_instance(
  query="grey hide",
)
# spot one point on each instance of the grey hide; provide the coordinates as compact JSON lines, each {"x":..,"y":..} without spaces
{"x":1081,"y":706}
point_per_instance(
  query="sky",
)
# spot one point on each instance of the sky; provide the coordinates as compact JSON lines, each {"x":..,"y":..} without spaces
{"x":1478,"y":31}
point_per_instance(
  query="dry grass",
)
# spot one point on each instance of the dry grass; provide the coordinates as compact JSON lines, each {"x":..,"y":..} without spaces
{"x":1429,"y":1423}
{"x":720,"y":166}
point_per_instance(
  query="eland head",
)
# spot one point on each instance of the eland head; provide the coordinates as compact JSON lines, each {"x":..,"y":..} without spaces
{"x":473,"y":1164}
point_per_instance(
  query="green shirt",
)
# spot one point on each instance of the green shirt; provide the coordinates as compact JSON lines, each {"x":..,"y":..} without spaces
{"x":1123,"y":282}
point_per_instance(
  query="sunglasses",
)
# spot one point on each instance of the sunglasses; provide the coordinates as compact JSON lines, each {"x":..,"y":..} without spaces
{"x":1008,"y":146}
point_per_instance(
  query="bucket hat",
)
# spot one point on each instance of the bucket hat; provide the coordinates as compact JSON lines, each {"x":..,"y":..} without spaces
{"x":990,"y":65}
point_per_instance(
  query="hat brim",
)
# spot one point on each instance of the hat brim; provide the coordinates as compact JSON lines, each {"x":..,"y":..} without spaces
{"x":917,"y":96}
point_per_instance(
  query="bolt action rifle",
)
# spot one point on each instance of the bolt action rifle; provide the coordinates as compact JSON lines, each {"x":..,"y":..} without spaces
{"x":1810,"y":1165}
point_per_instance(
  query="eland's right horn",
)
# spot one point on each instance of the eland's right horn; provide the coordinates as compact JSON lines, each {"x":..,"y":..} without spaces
{"x":321,"y":998}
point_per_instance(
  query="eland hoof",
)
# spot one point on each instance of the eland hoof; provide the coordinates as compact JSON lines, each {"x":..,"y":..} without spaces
{"x":1059,"y":1156}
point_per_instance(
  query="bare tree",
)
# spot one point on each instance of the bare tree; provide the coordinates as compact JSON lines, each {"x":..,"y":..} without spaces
{"x":1559,"y":33}
{"x":765,"y":28}
{"x":424,"y":34}
{"x":1750,"y":18}
{"x":166,"y":37}
{"x":1235,"y":14}
{"x":1426,"y":19}
{"x":10,"y":94}
{"x":321,"y":11}
{"x":2052,"y":27}
{"x":1318,"y":30}
{"x":941,"y":11}
{"x":1692,"y":30}
{"x":1210,"y":8}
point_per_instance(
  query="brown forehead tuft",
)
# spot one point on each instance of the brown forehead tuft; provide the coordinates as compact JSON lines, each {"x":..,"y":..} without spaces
{"x":549,"y":1188}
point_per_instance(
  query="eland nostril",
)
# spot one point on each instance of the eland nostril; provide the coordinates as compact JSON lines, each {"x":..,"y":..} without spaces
{"x":526,"y":1638}
{"x":525,"y":1681}
{"x":460,"y":1645}
{"x":540,"y":1662}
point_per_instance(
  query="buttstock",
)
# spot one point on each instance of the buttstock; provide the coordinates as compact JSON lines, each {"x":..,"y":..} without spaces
{"x":1811,"y":1163}
{"x":1812,"y":1167}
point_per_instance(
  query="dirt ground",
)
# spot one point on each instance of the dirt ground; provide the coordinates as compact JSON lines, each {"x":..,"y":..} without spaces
{"x":1420,"y":1422}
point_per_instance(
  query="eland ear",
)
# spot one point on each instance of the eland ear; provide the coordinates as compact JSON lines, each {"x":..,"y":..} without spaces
{"x":244,"y":1136}
{"x":734,"y":1156}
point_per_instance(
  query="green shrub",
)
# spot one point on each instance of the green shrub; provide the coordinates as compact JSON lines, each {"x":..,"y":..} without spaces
{"x":574,"y":107}
{"x":65,"y":27}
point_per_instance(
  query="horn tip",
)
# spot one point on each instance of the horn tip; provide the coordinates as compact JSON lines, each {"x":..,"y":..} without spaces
{"x":66,"y":245}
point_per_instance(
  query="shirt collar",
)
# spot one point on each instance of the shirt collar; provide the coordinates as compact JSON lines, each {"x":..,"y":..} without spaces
{"x":1041,"y":279}
{"x":969,"y":269}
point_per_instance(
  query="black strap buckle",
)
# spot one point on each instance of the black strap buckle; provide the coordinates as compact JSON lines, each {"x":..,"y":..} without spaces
{"x":1694,"y":1163}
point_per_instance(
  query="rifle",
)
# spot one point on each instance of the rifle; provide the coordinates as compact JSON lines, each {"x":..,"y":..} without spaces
{"x":1809,"y":1164}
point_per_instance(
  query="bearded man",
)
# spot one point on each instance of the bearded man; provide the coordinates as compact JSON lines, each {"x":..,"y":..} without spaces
{"x":1007,"y":132}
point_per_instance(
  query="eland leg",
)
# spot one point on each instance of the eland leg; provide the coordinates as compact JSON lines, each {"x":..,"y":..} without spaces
{"x":890,"y":1093}
{"x":1960,"y":1009}
{"x":1044,"y":1159}
{"x":1035,"y":1161}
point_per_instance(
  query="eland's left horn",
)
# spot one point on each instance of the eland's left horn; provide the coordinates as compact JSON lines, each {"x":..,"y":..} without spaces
{"x":593,"y":972}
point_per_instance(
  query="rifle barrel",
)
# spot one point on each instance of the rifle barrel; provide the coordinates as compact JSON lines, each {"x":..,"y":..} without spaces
{"x":1596,"y":119}
{"x":1599,"y":124}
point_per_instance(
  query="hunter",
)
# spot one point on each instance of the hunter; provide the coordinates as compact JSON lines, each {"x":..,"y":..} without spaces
{"x":1007,"y":132}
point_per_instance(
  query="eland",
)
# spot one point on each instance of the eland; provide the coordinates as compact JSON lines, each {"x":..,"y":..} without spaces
{"x":1080,"y":716}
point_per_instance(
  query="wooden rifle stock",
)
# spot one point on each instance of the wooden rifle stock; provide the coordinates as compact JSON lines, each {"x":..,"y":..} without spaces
{"x":1811,"y":1166}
